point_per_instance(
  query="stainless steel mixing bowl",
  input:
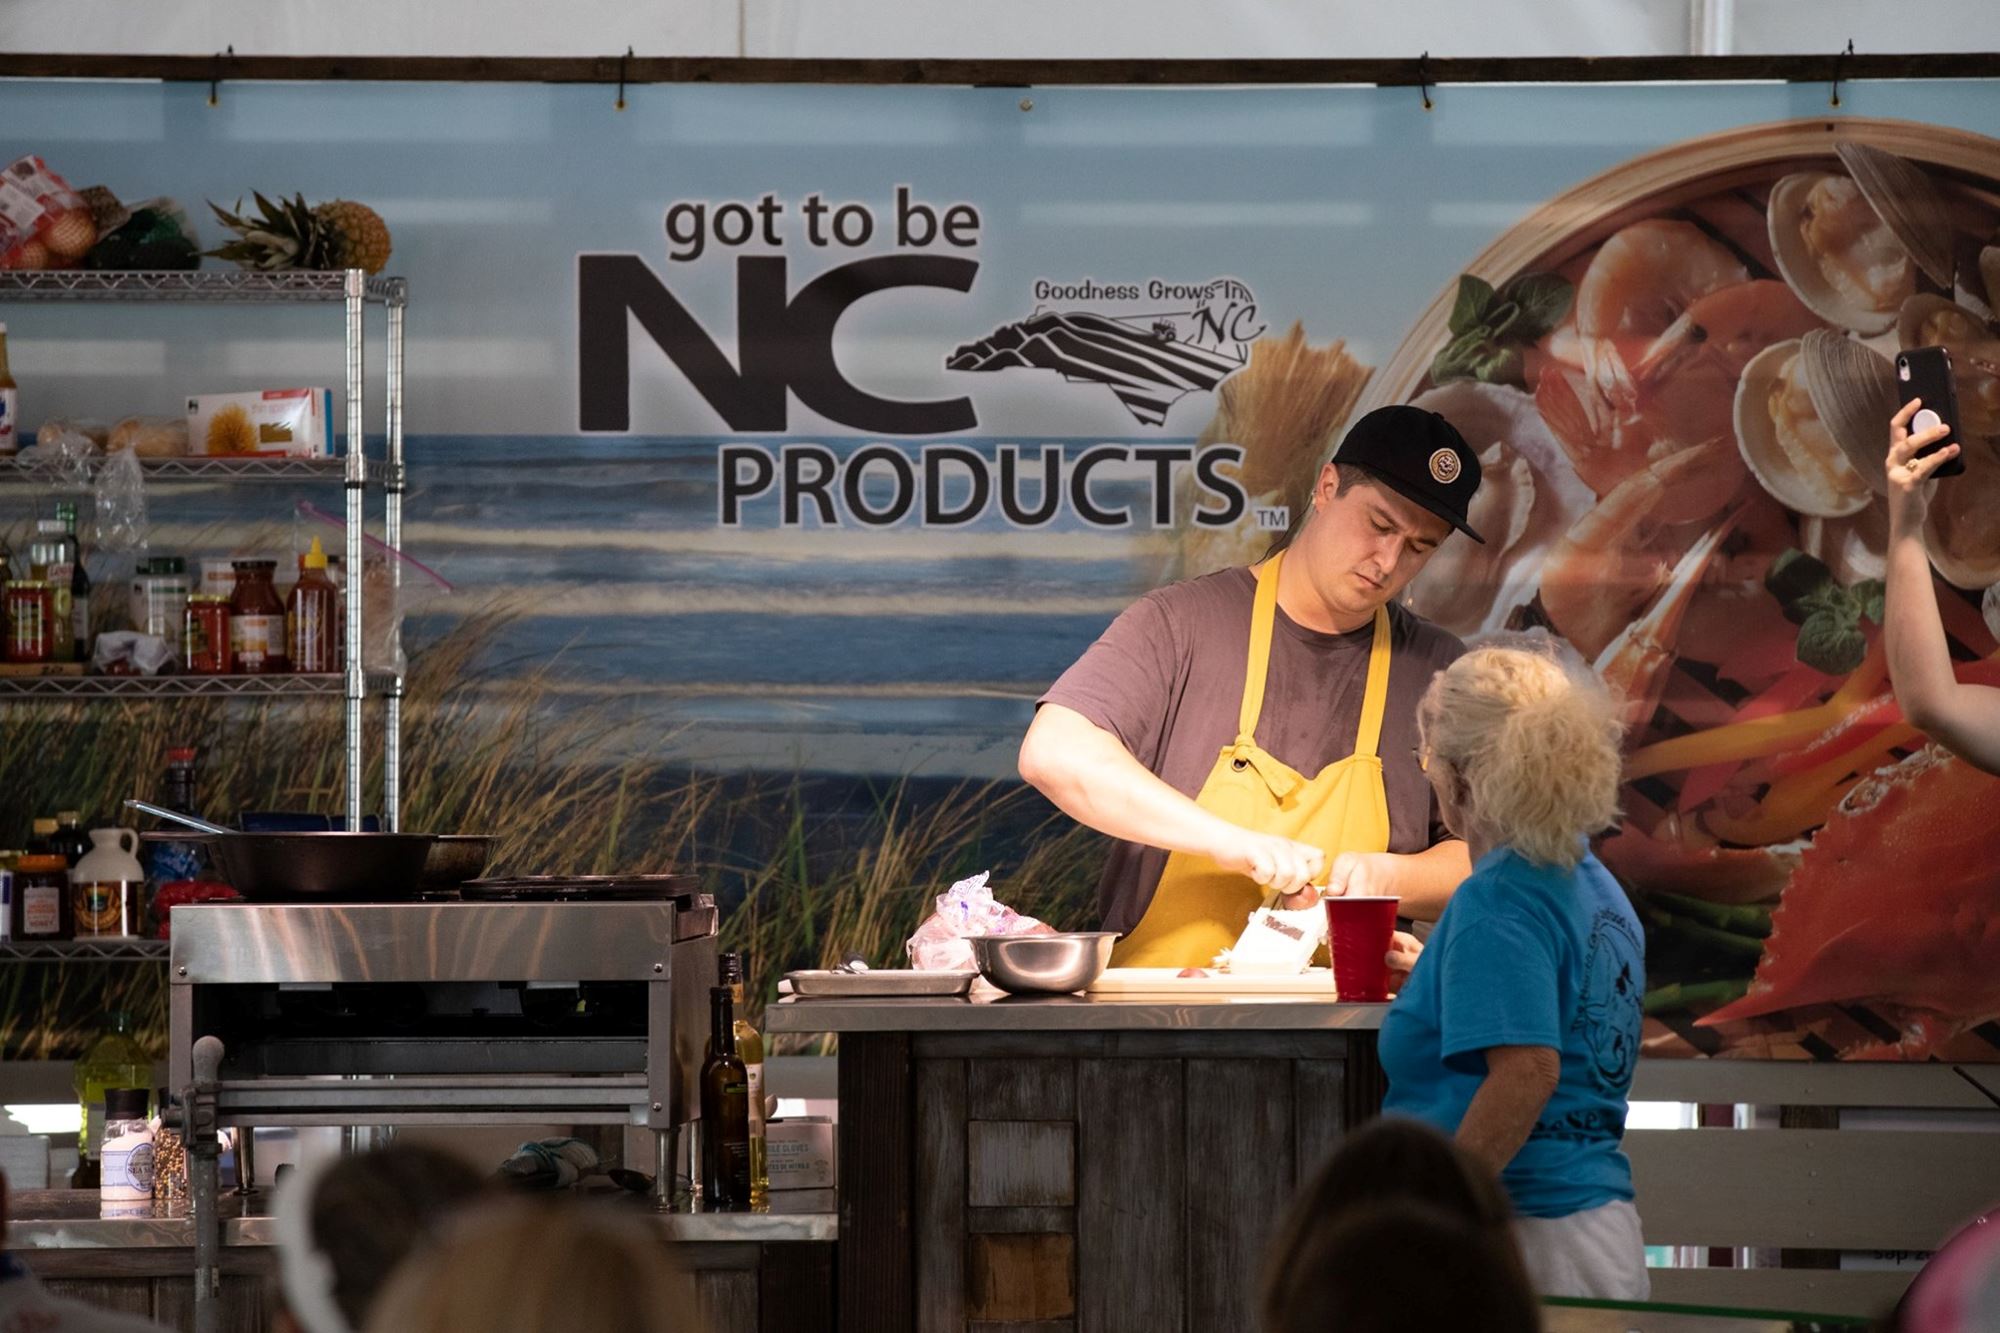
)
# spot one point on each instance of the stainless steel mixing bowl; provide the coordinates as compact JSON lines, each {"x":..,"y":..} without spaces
{"x":1043,"y":964}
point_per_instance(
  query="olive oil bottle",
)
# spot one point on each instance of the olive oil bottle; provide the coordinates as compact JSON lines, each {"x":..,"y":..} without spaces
{"x":725,"y":1111}
{"x":749,"y":1049}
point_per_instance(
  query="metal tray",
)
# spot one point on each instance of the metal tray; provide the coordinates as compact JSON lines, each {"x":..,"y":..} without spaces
{"x":885,"y":983}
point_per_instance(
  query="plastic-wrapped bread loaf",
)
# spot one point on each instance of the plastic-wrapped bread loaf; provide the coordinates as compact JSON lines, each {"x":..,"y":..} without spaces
{"x":56,"y":427}
{"x":150,"y":437}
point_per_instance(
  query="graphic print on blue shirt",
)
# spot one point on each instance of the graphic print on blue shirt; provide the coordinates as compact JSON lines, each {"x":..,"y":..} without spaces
{"x":1529,"y":955}
{"x":1608,"y":1010}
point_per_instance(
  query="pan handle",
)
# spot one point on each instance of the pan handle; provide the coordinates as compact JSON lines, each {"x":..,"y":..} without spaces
{"x":174,"y":816}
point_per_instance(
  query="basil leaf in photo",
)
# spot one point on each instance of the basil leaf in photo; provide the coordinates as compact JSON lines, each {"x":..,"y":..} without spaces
{"x":1869,"y":594}
{"x":1462,"y":357}
{"x":1831,"y":642}
{"x":1544,"y":298}
{"x":1793,"y":578}
{"x":1468,"y":311}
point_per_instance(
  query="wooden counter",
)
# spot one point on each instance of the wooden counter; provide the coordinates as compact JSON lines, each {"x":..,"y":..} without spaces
{"x":766,"y":1272}
{"x":1066,"y":1163}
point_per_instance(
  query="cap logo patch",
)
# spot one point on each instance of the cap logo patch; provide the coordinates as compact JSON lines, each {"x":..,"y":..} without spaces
{"x":1445,"y":466}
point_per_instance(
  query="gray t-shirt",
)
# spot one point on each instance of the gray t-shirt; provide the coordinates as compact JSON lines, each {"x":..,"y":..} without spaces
{"x":1167,"y":680}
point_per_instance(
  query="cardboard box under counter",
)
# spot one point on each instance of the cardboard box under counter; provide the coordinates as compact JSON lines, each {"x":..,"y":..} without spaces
{"x":798,"y":1153}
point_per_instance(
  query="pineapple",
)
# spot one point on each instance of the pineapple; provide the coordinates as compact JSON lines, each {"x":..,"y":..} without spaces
{"x":289,"y":234}
{"x":360,"y":237}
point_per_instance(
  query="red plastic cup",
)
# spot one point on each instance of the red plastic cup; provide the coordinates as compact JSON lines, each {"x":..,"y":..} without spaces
{"x":1358,"y":933}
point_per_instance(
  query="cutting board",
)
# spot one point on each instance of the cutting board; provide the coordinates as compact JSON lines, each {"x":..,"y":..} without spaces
{"x":1316,"y":982}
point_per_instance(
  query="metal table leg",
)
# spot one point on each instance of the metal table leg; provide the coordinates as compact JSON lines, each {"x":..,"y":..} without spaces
{"x":203,"y":1149}
{"x":246,"y":1162}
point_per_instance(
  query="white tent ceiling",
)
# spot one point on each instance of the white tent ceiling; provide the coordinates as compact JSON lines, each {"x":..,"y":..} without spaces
{"x":1018,"y":29}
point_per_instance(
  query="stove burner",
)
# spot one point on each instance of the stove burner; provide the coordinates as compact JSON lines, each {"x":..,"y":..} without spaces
{"x":581,"y":888}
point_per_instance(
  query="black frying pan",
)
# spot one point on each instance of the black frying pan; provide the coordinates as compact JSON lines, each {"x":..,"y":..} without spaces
{"x":327,"y":867}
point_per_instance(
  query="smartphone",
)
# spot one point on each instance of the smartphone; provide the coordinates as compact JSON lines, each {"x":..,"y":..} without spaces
{"x":1925,"y":372}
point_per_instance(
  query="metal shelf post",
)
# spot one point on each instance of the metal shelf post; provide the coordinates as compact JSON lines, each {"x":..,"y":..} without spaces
{"x":357,"y":581}
{"x":392,"y":703}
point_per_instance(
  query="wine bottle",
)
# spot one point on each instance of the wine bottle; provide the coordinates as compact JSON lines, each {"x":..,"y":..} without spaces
{"x":113,"y":1060}
{"x":725,"y":1111}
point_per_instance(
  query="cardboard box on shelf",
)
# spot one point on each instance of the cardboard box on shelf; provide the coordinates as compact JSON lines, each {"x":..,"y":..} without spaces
{"x":799,"y":1153}
{"x":267,"y":423}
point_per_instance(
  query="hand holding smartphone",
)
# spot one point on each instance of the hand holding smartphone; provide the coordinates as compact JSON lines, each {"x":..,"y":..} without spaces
{"x":1925,"y":372}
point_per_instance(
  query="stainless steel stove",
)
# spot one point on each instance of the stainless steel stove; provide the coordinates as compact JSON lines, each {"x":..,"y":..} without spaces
{"x":571,"y":1012}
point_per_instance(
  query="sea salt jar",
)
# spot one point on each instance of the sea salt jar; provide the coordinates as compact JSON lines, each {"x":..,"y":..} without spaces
{"x":125,"y":1187}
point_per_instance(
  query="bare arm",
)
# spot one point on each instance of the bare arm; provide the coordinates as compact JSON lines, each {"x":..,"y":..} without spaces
{"x":1094,"y":780}
{"x":1423,"y":880}
{"x":1519,"y":1082}
{"x":1964,"y":718}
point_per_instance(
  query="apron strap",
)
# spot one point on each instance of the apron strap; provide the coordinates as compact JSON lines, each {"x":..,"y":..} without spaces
{"x":1263,"y":616}
{"x":1376,"y":701}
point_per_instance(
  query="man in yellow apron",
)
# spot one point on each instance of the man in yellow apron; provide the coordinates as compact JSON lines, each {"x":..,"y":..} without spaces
{"x":1254,"y":730}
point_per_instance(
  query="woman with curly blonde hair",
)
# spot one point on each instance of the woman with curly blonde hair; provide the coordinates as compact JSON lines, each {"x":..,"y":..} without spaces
{"x":1518,"y":1029}
{"x":540,"y":1267}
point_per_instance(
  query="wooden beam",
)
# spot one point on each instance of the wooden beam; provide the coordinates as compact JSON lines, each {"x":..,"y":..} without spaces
{"x":1818,"y":1083}
{"x":877,"y":1158}
{"x":638,"y":70}
{"x":1822,"y":1189}
{"x":1868,"y":1293}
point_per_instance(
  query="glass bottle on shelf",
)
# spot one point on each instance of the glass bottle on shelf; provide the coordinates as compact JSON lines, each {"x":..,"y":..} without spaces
{"x":114,"y":1059}
{"x":257,"y":620}
{"x":8,"y":860}
{"x":49,"y":559}
{"x":79,"y":582}
{"x":170,"y":860}
{"x":310,"y":612}
{"x":69,"y":840}
{"x":41,"y":897}
{"x":725,"y":1112}
{"x":750,"y":1049}
{"x":10,"y":403}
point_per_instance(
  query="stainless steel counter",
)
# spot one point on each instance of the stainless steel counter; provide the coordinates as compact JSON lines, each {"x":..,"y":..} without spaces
{"x":70,"y":1220}
{"x":988,"y":1010}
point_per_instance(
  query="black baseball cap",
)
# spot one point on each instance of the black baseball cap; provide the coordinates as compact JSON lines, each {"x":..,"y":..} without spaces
{"x":1420,"y":456}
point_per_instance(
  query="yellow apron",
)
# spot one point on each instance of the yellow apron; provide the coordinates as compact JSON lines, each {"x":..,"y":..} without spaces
{"x":1199,"y":908}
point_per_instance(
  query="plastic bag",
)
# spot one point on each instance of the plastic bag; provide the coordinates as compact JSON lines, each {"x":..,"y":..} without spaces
{"x":61,"y":457}
{"x":124,"y":652}
{"x":155,"y":235}
{"x":1276,"y":941}
{"x":119,"y":500}
{"x":549,"y":1164}
{"x":43,"y":222}
{"x":966,"y":908}
{"x":386,"y":599}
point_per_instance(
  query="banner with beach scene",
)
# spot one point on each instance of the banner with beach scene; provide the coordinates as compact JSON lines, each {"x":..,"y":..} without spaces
{"x":801,"y":435}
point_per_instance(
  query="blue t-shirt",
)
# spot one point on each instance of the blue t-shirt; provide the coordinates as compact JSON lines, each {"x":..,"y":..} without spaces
{"x":1529,"y":955}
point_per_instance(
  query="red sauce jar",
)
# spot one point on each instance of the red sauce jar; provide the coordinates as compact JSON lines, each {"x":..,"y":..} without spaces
{"x":257,"y":620}
{"x":30,"y":606}
{"x":205,"y":636}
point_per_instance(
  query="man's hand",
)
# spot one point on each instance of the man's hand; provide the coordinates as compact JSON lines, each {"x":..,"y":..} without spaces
{"x":1905,"y":472}
{"x":1402,"y":956}
{"x":1277,"y":863}
{"x":1363,"y":875}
